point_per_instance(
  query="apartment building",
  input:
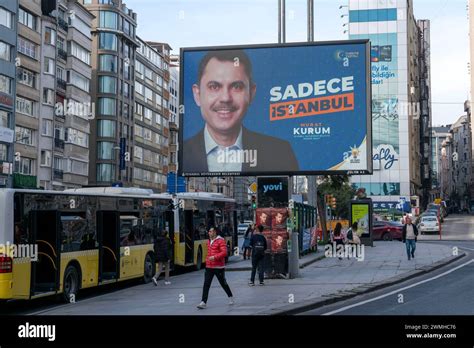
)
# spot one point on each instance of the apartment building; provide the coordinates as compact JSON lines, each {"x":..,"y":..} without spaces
{"x":8,"y":40}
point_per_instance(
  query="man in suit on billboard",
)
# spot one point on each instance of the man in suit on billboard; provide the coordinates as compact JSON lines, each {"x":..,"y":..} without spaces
{"x":224,"y":91}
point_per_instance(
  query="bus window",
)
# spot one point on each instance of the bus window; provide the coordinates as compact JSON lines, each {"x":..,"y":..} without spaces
{"x":199,"y":223}
{"x":129,"y":230}
{"x":74,"y":233}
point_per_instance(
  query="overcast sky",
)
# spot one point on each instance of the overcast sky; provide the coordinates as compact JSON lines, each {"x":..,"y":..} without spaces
{"x":192,"y":23}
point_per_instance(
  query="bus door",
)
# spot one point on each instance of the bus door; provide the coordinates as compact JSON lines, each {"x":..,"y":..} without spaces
{"x":169,"y":226}
{"x":45,"y":227}
{"x":109,"y":246}
{"x":188,"y":237}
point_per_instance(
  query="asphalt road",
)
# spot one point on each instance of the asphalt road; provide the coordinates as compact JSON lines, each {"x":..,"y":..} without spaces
{"x":455,"y":227}
{"x":447,"y":291}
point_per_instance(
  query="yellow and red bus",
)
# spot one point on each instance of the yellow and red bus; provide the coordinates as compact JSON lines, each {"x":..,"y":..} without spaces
{"x":58,"y":242}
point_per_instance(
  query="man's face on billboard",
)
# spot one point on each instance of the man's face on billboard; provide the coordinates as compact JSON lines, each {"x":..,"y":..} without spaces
{"x":279,"y":218}
{"x":263,"y":218}
{"x":223,"y":95}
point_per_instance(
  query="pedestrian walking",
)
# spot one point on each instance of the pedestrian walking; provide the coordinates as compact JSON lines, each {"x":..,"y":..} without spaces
{"x":409,"y":237}
{"x":246,"y":248}
{"x":215,"y":266}
{"x":337,"y":236}
{"x":352,"y":238}
{"x":258,"y":242}
{"x":163,"y":252}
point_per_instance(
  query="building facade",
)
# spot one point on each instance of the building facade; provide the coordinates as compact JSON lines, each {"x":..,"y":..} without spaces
{"x":400,"y":126}
{"x":8,"y":41}
{"x":66,"y":106}
{"x":28,"y":94}
{"x":114,"y":44}
{"x":151,"y":128}
{"x":438,"y":136}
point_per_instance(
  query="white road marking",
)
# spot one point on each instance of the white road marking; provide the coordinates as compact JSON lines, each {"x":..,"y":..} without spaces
{"x":398,"y":290}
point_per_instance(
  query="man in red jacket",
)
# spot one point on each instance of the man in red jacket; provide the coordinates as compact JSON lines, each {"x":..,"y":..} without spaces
{"x":215,"y":266}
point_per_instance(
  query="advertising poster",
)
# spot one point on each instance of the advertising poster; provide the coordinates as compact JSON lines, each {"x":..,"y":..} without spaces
{"x":275,"y":231}
{"x":386,"y":108}
{"x":279,"y":241}
{"x":272,"y":191}
{"x":360,"y":214}
{"x":279,"y":218}
{"x":257,"y":110}
{"x":264,"y":218}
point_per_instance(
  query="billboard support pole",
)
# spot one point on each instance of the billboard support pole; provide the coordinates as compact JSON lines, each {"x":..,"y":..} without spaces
{"x":279,"y":21}
{"x":310,"y":20}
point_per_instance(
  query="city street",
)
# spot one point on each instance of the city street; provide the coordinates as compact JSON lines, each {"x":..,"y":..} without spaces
{"x":447,"y":291}
{"x":455,"y":227}
{"x":320,"y":279}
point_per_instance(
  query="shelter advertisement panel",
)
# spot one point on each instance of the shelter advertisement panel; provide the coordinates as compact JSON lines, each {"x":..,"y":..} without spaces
{"x":291,"y":109}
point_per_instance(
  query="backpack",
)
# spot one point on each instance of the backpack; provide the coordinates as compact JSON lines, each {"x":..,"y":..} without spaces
{"x":349,"y":234}
{"x":259,"y":245}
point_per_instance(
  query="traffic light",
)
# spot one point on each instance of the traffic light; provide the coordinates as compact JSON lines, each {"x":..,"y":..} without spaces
{"x":254,"y":202}
{"x":333,"y":202}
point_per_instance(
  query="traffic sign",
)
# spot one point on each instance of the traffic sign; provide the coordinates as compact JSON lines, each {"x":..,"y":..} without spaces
{"x":253,"y":187}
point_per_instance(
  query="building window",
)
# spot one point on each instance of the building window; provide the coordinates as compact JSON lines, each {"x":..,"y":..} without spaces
{"x":107,"y":106}
{"x":26,"y":47}
{"x":26,"y":18}
{"x":76,"y":137}
{"x":80,"y":53}
{"x":138,"y":154}
{"x":60,"y":42}
{"x":139,"y":88}
{"x":77,"y":167}
{"x":50,"y":36}
{"x":106,"y":128}
{"x":108,"y":63}
{"x":107,"y":84}
{"x":4,"y":119}
{"x":108,"y":19}
{"x":47,"y":128}
{"x":126,"y":90}
{"x":139,"y":69}
{"x":3,"y":152}
{"x":24,"y":166}
{"x":24,"y":135}
{"x":60,"y":73}
{"x":48,"y":96}
{"x":49,"y":66}
{"x":149,"y":74}
{"x":147,"y":134}
{"x":5,"y":51}
{"x":58,"y":163}
{"x":6,"y":18}
{"x":139,"y":110}
{"x":5,"y":84}
{"x":24,"y":106}
{"x":126,"y":27}
{"x":138,"y":131}
{"x":26,"y":77}
{"x":105,"y":172}
{"x":108,"y":41}
{"x":58,"y":132}
{"x":80,"y":25}
{"x":126,"y":71}
{"x":78,"y":80}
{"x":148,"y":95}
{"x":46,"y":158}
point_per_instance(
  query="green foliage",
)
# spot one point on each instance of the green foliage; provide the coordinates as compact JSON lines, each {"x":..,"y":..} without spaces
{"x":338,"y":186}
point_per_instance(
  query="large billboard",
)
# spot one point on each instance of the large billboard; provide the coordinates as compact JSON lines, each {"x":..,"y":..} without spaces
{"x":292,"y":109}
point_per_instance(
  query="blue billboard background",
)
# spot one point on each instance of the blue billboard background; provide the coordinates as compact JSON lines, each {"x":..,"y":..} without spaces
{"x":283,"y":66}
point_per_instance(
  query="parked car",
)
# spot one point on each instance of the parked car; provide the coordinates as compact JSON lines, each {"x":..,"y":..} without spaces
{"x":387,"y":230}
{"x":429,"y":224}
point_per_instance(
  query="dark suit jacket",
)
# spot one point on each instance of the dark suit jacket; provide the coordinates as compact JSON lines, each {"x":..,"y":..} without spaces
{"x":404,"y":232}
{"x":273,"y":154}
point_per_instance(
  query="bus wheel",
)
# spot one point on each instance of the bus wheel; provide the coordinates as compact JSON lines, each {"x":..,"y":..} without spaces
{"x":70,"y":284}
{"x":199,"y":260}
{"x":148,"y":272}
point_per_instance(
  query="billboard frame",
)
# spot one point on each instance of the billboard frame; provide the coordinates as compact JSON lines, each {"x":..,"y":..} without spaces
{"x":368,"y":66}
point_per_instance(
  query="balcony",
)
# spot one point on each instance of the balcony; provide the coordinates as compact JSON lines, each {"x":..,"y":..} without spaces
{"x":61,"y":84}
{"x":58,"y":143}
{"x":58,"y":174}
{"x":62,"y":54}
{"x":62,"y":24}
{"x":24,"y":181}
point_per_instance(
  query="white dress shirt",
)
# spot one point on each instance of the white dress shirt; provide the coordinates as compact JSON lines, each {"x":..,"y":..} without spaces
{"x":218,"y":156}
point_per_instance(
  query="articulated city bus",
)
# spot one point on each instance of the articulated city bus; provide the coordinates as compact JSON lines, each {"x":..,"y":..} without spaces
{"x":57,"y":242}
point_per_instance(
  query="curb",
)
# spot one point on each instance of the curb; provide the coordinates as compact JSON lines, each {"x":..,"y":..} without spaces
{"x":363,"y":289}
{"x":301,"y":266}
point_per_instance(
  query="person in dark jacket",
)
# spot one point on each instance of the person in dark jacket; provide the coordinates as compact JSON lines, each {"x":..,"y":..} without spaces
{"x":246,"y":248}
{"x":163,"y":253}
{"x":409,"y":237}
{"x":258,"y":242}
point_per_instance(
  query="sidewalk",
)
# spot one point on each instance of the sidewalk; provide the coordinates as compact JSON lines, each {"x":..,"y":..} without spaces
{"x":329,"y":278}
